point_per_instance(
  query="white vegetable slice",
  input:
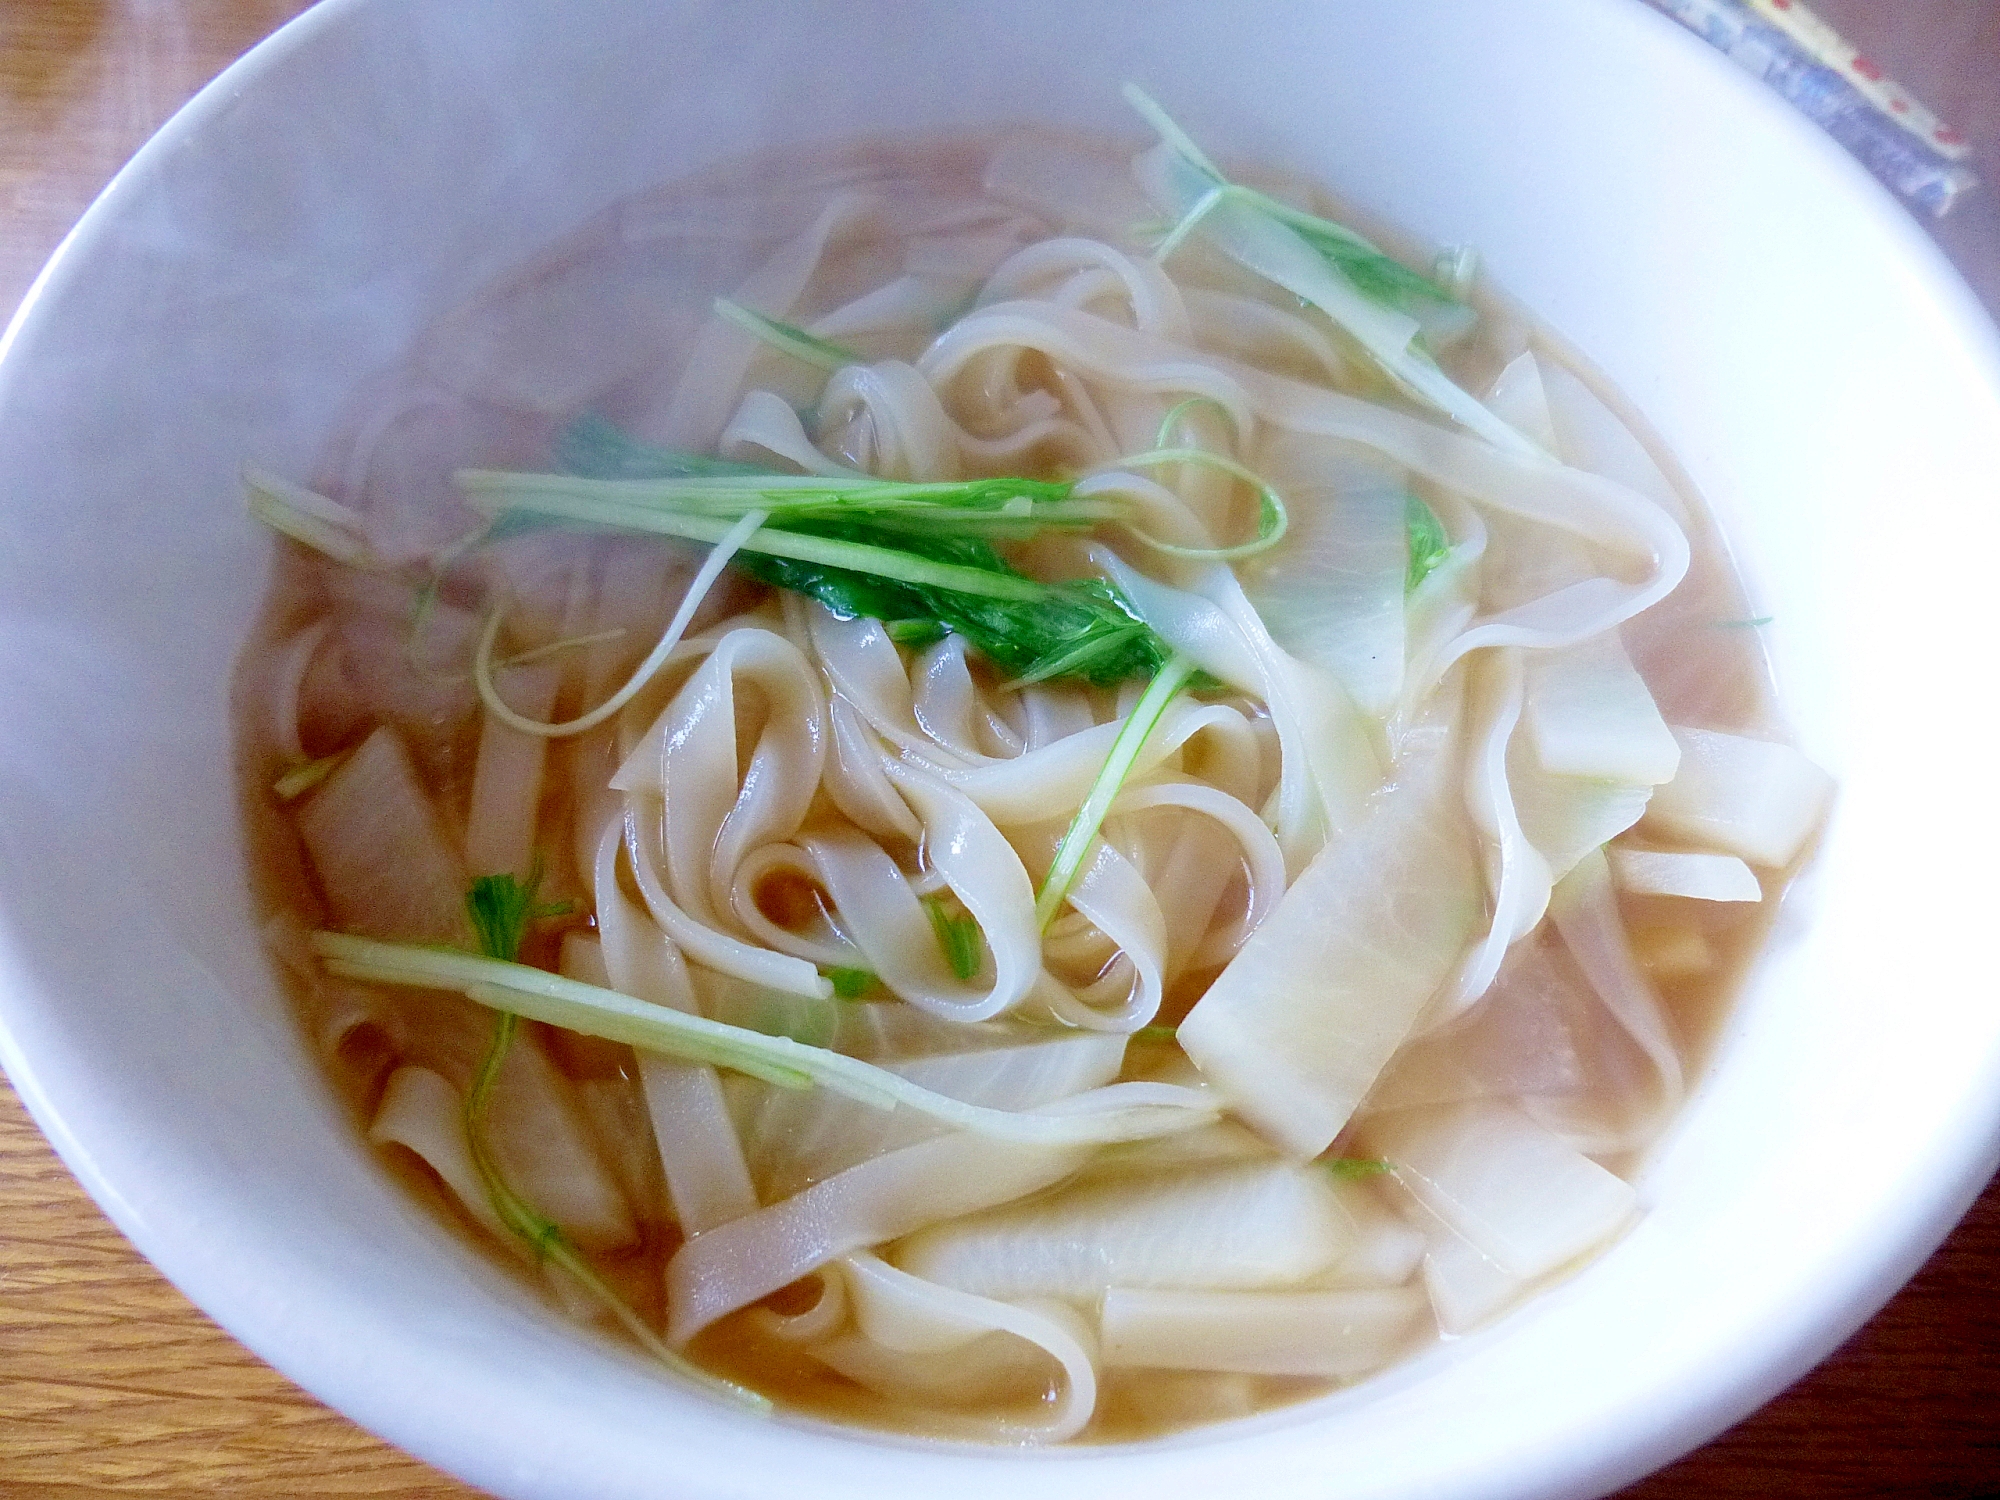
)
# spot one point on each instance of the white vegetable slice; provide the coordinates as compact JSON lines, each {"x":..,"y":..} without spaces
{"x":1386,"y":1251}
{"x":1331,"y":592}
{"x":1701,"y":877}
{"x":507,"y":777}
{"x":1295,"y":1030}
{"x":1588,"y":713}
{"x":795,"y":1137}
{"x":1267,"y":1224}
{"x":1753,"y":798}
{"x":1341,"y":1334}
{"x":1514,"y":1190}
{"x":381,"y":852}
{"x":1466,"y":1288}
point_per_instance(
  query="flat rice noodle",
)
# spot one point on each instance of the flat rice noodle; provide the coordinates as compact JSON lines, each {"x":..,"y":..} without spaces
{"x":986,"y":875}
{"x":1592,"y":436}
{"x":917,"y":1342}
{"x":1529,"y":485}
{"x":858,"y":785}
{"x":1518,"y":879}
{"x":886,"y":420}
{"x":384,"y":860}
{"x":540,"y":1141}
{"x":1756,"y":799}
{"x":691,"y":794}
{"x":1050,"y":781}
{"x":1338,"y":1335}
{"x":1256,"y":1224}
{"x":1326,"y":765}
{"x":708,"y":1182}
{"x":1117,"y":903}
{"x":883,"y":1199}
{"x":1512,"y":1189}
{"x":1296,"y":1029}
{"x":766,"y":427}
{"x":423,"y":1113}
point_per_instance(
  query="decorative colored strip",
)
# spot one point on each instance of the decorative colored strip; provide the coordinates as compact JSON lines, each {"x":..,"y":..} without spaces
{"x":1887,"y":95}
{"x":1822,"y":75}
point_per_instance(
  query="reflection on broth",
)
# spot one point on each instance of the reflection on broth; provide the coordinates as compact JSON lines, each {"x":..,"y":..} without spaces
{"x":1087,"y":808}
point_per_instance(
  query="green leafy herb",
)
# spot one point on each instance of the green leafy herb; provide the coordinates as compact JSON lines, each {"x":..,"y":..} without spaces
{"x":1124,"y":754}
{"x":1354,"y":1168}
{"x":1082,"y":630}
{"x":851,"y":984}
{"x":501,"y":908}
{"x":1429,"y":545}
{"x":958,"y":934}
{"x":915,"y":634}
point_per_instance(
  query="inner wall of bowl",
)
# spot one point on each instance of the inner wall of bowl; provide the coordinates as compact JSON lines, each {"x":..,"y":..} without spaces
{"x":290,"y":232}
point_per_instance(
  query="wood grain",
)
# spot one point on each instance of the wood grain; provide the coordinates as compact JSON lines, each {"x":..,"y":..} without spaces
{"x":111,"y":1384}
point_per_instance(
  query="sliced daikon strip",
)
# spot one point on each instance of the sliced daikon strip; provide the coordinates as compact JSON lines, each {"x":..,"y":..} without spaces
{"x":1703,"y":877}
{"x":1523,"y":1198}
{"x":795,"y":1137}
{"x":1466,"y":1288}
{"x":1589,"y":713}
{"x":507,"y":777}
{"x":1331,"y":592}
{"x":1339,"y":1333}
{"x":1296,"y":1029}
{"x":381,"y":851}
{"x":1386,"y":1251}
{"x":1754,"y":798}
{"x":1230,"y":1227}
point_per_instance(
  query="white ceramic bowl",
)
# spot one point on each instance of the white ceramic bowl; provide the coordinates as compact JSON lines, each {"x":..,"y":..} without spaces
{"x":1828,"y":381}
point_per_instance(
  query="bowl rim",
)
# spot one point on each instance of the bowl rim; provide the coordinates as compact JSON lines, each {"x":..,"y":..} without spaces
{"x":1823,"y":1318}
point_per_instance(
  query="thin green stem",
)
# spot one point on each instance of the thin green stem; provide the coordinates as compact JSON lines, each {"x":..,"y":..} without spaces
{"x":593,"y":1011}
{"x":555,"y":500}
{"x":805,"y":347}
{"x":1125,"y":751}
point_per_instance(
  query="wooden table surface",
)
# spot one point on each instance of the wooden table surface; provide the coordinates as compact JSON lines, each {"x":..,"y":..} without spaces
{"x":111,"y":1384}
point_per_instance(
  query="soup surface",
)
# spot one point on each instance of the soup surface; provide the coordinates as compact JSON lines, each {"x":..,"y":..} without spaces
{"x":1009,"y":788}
